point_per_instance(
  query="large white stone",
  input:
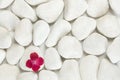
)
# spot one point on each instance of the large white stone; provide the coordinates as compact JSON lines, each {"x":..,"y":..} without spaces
{"x":83,"y":27}
{"x":89,"y":67}
{"x":23,"y":10}
{"x":95,"y":44}
{"x":97,"y":8}
{"x":2,"y":55}
{"x":74,"y":9}
{"x":69,"y":71}
{"x":50,"y":11}
{"x":5,"y":3}
{"x":109,"y":26}
{"x":23,"y":33}
{"x":70,"y":47}
{"x":40,"y":32}
{"x":14,"y":54}
{"x":59,"y":29}
{"x":52,"y":59}
{"x":8,"y":72}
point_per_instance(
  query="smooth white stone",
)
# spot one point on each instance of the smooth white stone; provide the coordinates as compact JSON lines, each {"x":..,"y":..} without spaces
{"x":83,"y":27}
{"x":2,"y":55}
{"x":109,"y":26}
{"x":47,"y":75}
{"x":52,"y":59}
{"x":23,"y":10}
{"x":35,"y":2}
{"x":108,"y":71}
{"x":113,"y":51}
{"x":70,"y":47}
{"x":74,"y":9}
{"x":27,"y":76}
{"x":8,"y":20}
{"x":5,"y":38}
{"x":95,"y":44}
{"x":26,"y":56}
{"x":59,"y":29}
{"x":97,"y":8}
{"x":8,"y":72}
{"x":23,"y":33}
{"x":89,"y":67}
{"x":50,"y":11}
{"x":5,"y":3}
{"x":114,"y":4}
{"x":69,"y":71}
{"x":40,"y":32}
{"x":14,"y":54}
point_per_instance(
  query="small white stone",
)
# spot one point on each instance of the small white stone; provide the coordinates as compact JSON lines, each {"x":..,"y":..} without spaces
{"x":5,"y":38}
{"x":50,"y":11}
{"x":47,"y":75}
{"x":83,"y":27}
{"x":97,"y":8}
{"x":8,"y":19}
{"x":14,"y":54}
{"x":26,"y":56}
{"x":52,"y":59}
{"x":23,"y":10}
{"x":74,"y":9}
{"x":23,"y":33}
{"x":109,"y":26}
{"x":59,"y":29}
{"x":2,"y":55}
{"x":70,"y":47}
{"x":108,"y":71}
{"x":114,"y":4}
{"x":113,"y":51}
{"x":69,"y":71}
{"x":27,"y":76}
{"x":5,"y":3}
{"x":89,"y":67}
{"x":8,"y":72}
{"x":95,"y":44}
{"x":40,"y":32}
{"x":35,"y":2}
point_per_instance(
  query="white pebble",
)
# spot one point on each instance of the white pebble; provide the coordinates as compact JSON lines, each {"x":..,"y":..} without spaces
{"x":23,"y":10}
{"x":40,"y":32}
{"x":23,"y":33}
{"x":5,"y":3}
{"x":28,"y":76}
{"x":5,"y":38}
{"x":59,"y":29}
{"x":8,"y":20}
{"x":109,"y":26}
{"x":70,"y":47}
{"x":2,"y":55}
{"x":26,"y":56}
{"x":47,"y":75}
{"x":8,"y":72}
{"x":97,"y":8}
{"x":89,"y":67}
{"x":50,"y":11}
{"x":74,"y":9}
{"x":69,"y":71}
{"x":83,"y":27}
{"x":95,"y":44}
{"x":14,"y":54}
{"x":52,"y":59}
{"x":108,"y":71}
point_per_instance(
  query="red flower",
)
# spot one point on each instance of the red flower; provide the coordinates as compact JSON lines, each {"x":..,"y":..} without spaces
{"x":34,"y":62}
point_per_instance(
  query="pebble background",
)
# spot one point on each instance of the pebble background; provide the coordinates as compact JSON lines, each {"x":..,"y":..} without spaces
{"x":78,"y":39}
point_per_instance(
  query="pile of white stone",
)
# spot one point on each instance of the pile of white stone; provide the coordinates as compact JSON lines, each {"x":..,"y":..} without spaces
{"x":78,"y":39}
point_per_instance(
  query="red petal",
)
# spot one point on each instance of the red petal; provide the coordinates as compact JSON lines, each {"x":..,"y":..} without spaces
{"x":40,"y":61}
{"x":35,"y":68}
{"x":33,"y":55}
{"x":29,"y":63}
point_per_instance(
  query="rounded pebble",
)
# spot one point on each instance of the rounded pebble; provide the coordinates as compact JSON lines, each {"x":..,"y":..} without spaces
{"x":5,"y":3}
{"x":2,"y":55}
